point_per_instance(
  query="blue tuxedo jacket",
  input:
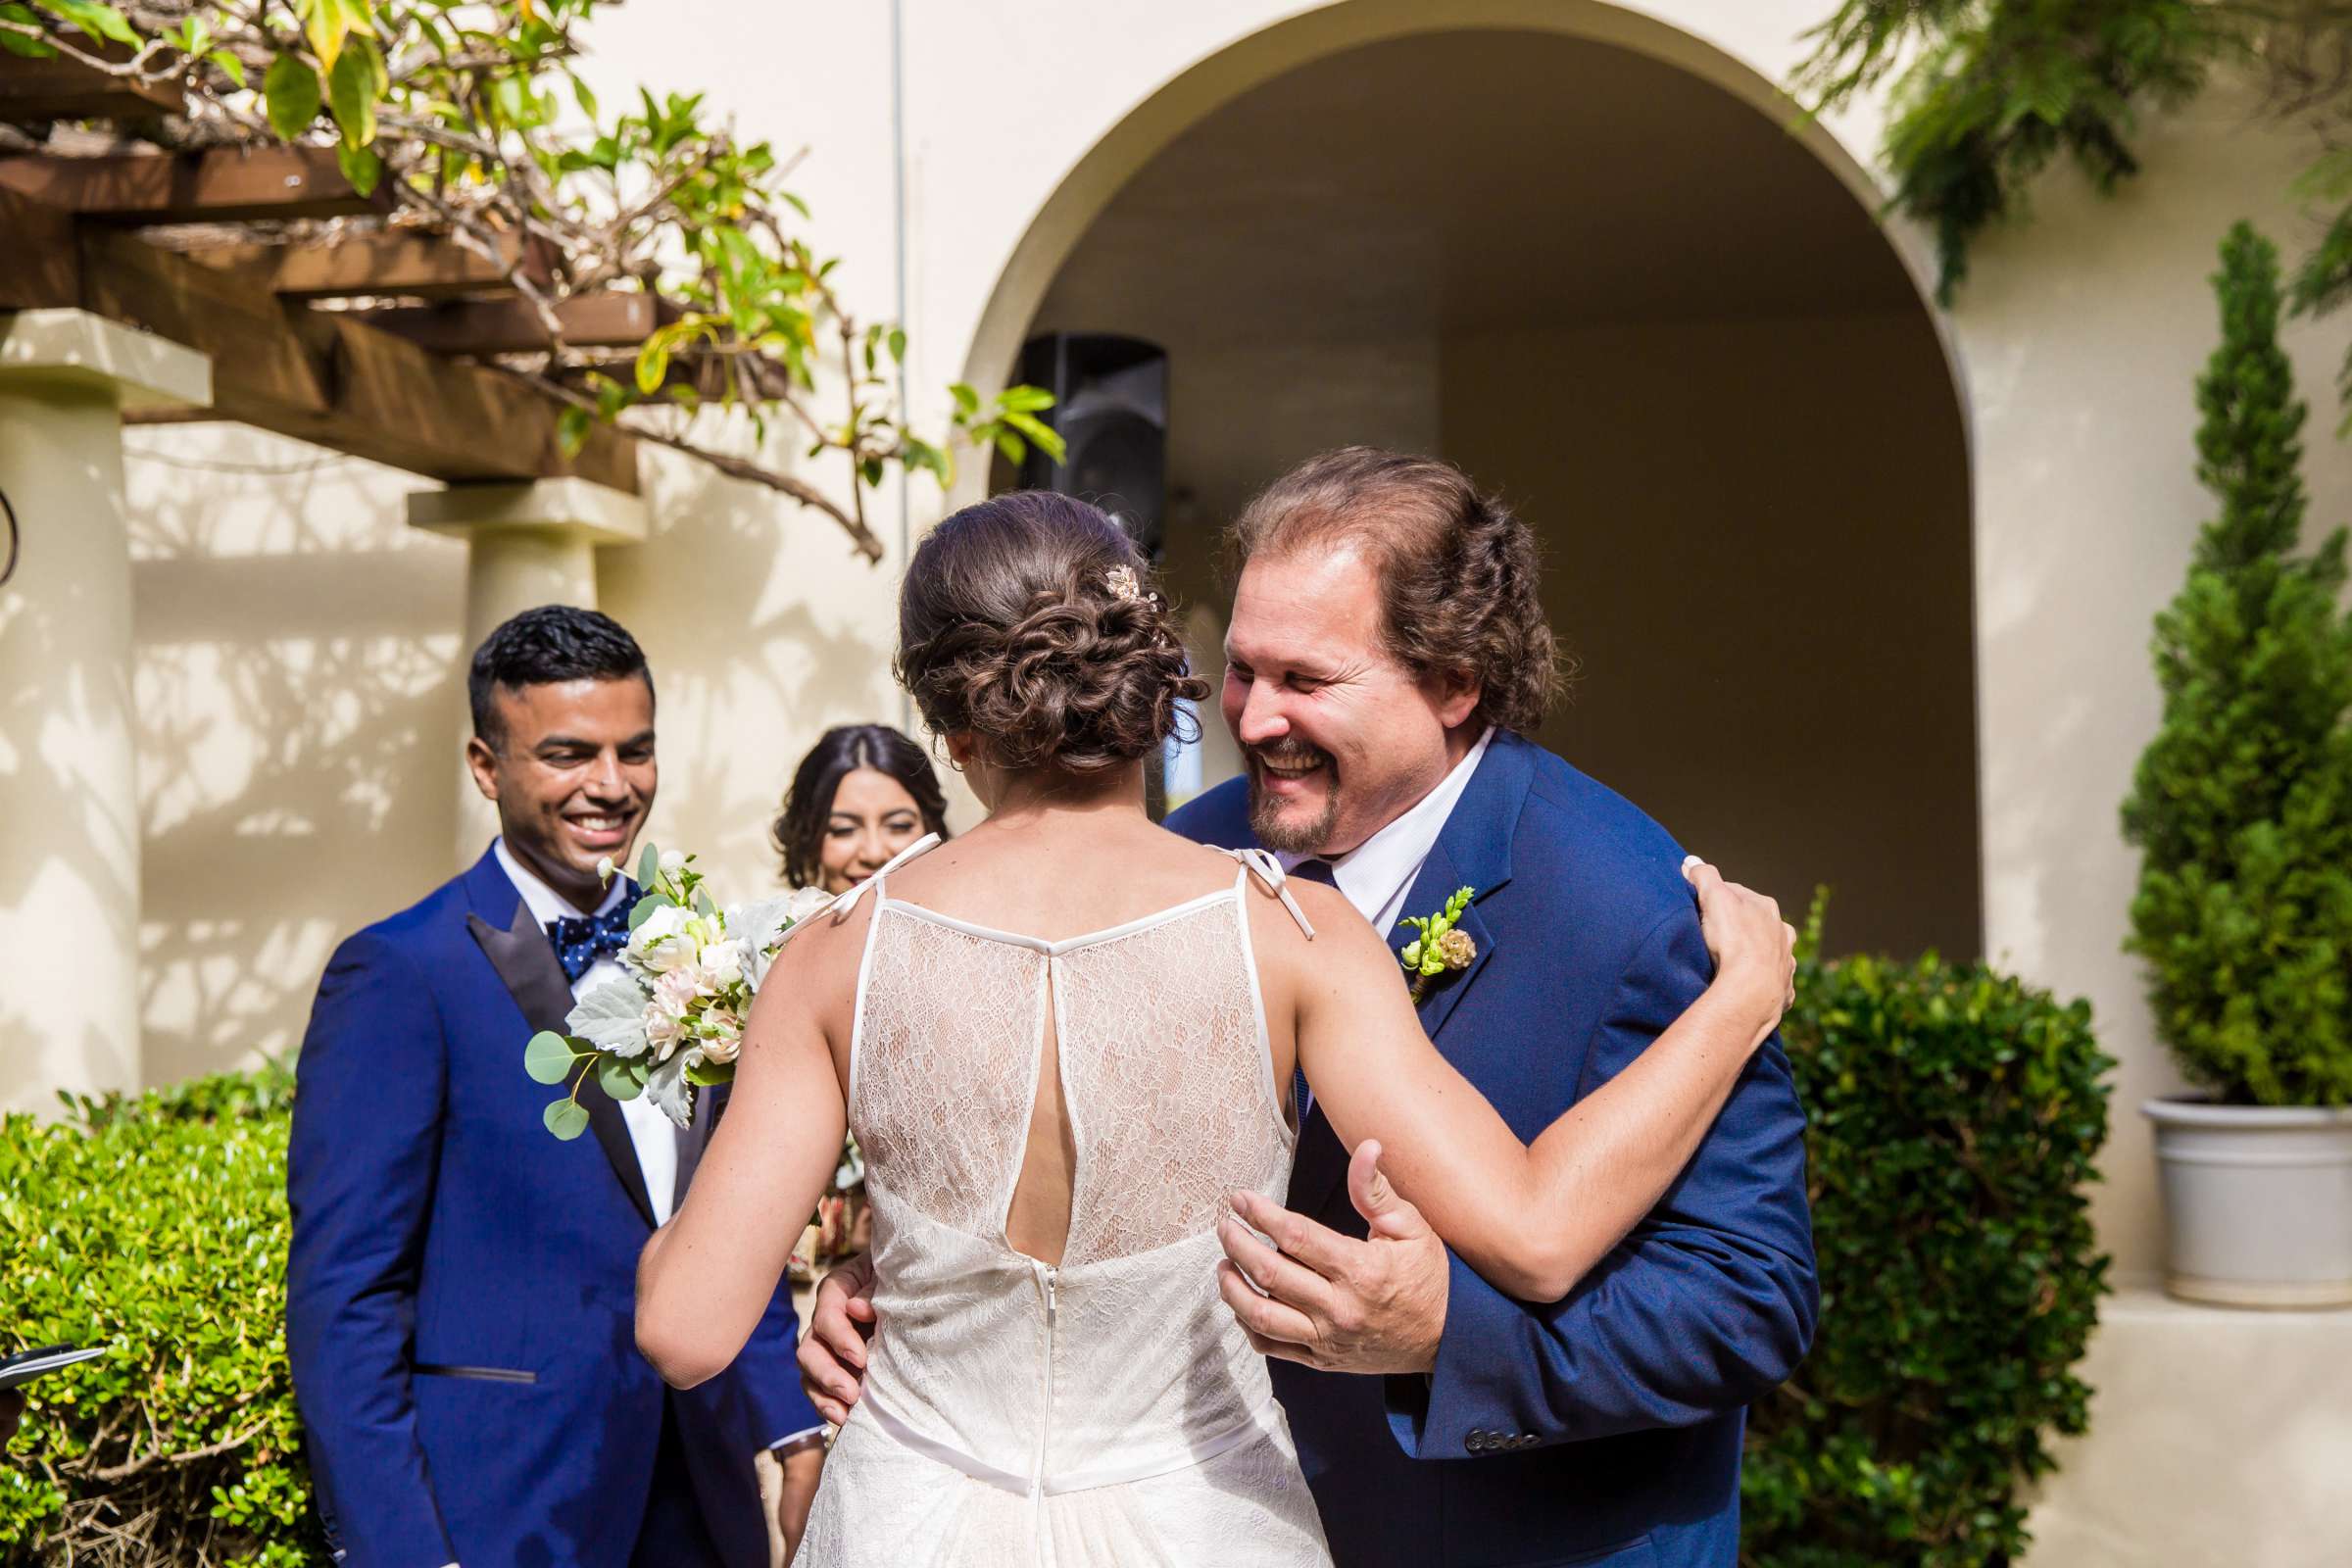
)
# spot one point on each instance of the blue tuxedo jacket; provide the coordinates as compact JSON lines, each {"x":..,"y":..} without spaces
{"x":1605,"y":1427}
{"x":461,"y":1294}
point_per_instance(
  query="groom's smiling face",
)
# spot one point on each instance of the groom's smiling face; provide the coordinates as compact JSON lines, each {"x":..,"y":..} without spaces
{"x":1339,"y":736}
{"x":574,"y":774}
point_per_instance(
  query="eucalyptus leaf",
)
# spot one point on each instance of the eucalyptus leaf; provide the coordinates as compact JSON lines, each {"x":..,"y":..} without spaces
{"x":566,"y":1118}
{"x":617,"y":1077}
{"x":649,"y":867}
{"x":549,"y":1057}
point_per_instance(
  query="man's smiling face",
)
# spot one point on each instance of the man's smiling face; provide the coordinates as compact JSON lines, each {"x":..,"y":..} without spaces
{"x":574,"y":774}
{"x":1339,"y":735}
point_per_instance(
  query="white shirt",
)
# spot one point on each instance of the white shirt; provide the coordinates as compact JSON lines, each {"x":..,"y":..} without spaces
{"x":652,"y":1133}
{"x":1377,"y":874}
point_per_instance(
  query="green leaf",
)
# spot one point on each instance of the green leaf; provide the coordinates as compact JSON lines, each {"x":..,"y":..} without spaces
{"x":230,"y":66}
{"x":1024,"y":399}
{"x":549,"y":1057}
{"x":897,"y":344}
{"x":966,"y":398}
{"x":567,"y":1119}
{"x":649,"y":867}
{"x":291,"y":91}
{"x":97,"y":20}
{"x":653,"y":365}
{"x":352,"y":88}
{"x":359,"y":165}
{"x":571,"y":431}
{"x":643,"y":909}
{"x":618,"y":1078}
{"x":711,"y":1074}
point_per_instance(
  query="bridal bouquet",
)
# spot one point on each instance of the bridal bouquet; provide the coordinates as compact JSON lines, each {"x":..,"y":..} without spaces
{"x":674,"y":1019}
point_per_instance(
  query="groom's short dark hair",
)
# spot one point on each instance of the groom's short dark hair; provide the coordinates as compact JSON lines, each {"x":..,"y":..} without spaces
{"x":549,"y":643}
{"x":1459,"y":570}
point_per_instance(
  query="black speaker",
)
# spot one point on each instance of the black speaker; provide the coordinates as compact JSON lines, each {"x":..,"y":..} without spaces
{"x":1111,"y":407}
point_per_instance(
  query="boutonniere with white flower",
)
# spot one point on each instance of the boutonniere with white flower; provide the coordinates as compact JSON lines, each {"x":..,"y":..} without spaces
{"x":1441,"y":945}
{"x":673,"y":1020}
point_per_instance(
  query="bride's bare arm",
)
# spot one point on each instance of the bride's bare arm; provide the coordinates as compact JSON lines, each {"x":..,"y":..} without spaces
{"x":708,"y":1275}
{"x":1534,"y":1219}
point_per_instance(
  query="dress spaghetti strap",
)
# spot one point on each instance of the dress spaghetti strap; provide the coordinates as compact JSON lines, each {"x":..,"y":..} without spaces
{"x":1262,"y":865}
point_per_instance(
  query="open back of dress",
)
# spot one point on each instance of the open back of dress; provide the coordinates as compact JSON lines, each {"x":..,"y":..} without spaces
{"x":1106,"y":1410}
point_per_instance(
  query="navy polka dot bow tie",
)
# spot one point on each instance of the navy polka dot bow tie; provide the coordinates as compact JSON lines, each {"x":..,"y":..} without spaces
{"x":582,"y":939}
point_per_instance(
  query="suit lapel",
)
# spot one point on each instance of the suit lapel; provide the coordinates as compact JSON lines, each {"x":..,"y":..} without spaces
{"x":1473,"y":850}
{"x":527,"y":963}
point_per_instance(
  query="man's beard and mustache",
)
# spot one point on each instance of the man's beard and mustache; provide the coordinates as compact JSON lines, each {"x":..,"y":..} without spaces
{"x":1288,"y":836}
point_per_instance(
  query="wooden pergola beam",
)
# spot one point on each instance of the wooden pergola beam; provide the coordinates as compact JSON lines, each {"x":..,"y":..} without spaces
{"x":412,"y":262}
{"x":220,"y":185}
{"x":40,"y":266}
{"x":482,"y":327}
{"x":326,"y":376}
{"x":61,"y":88}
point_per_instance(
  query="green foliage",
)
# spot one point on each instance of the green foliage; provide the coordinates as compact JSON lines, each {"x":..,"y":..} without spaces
{"x":1954,"y":1117}
{"x":1986,"y":92}
{"x":156,"y":1226}
{"x":2243,"y":803}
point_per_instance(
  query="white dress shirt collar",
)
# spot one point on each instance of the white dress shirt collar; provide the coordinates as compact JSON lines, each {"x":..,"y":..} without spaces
{"x":546,"y":902}
{"x":1377,"y":874}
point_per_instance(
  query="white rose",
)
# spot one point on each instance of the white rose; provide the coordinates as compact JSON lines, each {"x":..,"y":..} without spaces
{"x":659,"y":942}
{"x":604,"y":868}
{"x":722,"y":962}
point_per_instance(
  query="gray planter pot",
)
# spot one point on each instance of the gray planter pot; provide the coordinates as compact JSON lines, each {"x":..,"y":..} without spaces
{"x":2256,"y":1202}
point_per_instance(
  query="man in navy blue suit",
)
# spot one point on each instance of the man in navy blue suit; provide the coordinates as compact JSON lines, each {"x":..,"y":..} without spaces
{"x":461,"y":1289}
{"x":1386,"y":656}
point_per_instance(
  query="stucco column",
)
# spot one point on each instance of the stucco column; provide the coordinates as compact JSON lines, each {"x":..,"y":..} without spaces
{"x":69,"y":778}
{"x":526,"y":545}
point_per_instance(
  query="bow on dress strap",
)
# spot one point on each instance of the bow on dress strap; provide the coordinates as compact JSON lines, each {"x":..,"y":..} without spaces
{"x":841,"y":906}
{"x":1268,"y":870}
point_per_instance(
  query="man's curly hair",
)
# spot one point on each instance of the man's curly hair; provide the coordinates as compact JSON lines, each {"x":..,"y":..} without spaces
{"x":1458,"y":571}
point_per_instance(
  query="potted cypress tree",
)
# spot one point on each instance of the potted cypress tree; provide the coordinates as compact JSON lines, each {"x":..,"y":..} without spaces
{"x":2242,"y":809}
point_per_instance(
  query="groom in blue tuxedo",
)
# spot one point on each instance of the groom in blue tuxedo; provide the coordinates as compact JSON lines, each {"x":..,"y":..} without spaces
{"x":1385,"y":653}
{"x":461,"y":1289}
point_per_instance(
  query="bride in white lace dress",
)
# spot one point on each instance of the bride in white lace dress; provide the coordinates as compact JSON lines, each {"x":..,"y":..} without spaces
{"x":1064,"y":1040}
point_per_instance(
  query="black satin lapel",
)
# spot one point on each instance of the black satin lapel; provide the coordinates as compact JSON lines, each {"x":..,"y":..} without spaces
{"x":526,"y":963}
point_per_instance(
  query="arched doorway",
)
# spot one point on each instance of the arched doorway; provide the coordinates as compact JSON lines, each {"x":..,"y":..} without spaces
{"x":1672,"y":335}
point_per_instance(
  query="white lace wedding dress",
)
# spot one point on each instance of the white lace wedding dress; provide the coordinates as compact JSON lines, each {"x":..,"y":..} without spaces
{"x":1106,"y":1410}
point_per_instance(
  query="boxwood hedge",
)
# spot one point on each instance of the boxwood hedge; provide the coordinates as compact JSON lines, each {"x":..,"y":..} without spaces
{"x":1954,"y":1115}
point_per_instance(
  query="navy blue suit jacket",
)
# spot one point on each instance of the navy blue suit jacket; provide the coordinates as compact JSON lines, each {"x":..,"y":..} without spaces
{"x":461,"y":1294}
{"x":1605,"y":1427}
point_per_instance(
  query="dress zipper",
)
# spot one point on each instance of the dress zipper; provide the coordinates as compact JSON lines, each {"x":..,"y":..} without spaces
{"x":1048,"y":1280}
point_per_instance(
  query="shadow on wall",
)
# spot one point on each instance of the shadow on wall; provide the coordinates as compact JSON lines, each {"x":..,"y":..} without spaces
{"x":764,"y":628}
{"x":297,"y":697}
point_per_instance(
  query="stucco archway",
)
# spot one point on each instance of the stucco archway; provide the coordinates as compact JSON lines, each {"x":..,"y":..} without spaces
{"x":1586,"y":256}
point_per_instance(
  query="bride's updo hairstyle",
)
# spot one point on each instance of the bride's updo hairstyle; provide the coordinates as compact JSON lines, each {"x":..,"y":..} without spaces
{"x":1028,"y":621}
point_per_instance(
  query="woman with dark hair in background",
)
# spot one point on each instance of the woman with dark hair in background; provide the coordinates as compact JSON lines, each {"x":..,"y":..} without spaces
{"x":864,"y":793}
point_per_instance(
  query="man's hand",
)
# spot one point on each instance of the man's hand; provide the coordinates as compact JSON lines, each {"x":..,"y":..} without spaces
{"x":1333,"y":1302}
{"x":833,"y":1352}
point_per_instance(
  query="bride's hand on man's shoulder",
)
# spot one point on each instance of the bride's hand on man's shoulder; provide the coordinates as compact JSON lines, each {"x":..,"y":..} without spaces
{"x":1753,"y":948}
